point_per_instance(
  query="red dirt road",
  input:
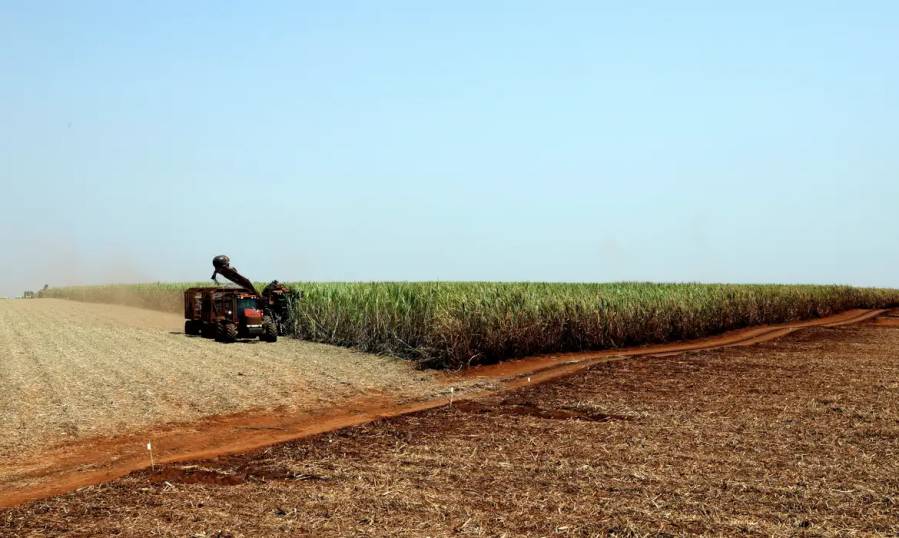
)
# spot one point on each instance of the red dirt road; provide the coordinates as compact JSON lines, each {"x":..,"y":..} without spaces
{"x":82,"y":463}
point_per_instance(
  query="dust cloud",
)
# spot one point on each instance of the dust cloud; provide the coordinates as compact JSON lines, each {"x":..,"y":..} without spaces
{"x":29,"y":265}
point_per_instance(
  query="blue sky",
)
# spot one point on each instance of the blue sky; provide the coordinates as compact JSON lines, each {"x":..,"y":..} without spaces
{"x":575,"y":141}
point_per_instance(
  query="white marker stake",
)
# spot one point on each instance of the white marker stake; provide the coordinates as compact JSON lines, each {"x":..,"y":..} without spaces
{"x":452,"y":391}
{"x":150,"y":449}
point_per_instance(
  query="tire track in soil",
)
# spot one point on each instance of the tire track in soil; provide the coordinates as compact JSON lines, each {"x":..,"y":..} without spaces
{"x":99,"y":460}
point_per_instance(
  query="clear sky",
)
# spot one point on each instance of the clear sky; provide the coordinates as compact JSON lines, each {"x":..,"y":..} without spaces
{"x":560,"y":141}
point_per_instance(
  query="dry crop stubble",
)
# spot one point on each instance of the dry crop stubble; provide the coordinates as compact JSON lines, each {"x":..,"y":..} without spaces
{"x":72,"y":371}
{"x":788,"y":437}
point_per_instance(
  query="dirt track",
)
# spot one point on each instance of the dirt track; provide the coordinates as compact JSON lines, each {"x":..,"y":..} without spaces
{"x":316,"y":395}
{"x":793,"y":436}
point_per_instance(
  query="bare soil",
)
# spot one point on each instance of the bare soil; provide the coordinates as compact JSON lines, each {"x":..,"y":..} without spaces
{"x":793,"y":436}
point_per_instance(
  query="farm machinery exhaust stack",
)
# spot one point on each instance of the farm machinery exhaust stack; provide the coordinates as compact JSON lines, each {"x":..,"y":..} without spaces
{"x":227,"y":313}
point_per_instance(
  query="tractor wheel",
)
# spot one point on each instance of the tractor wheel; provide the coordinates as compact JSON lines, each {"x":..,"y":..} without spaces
{"x":208,"y":330}
{"x":190,"y":327}
{"x":269,"y":331}
{"x":226,"y":332}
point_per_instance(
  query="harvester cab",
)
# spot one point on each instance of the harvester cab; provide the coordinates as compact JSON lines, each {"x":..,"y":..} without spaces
{"x":279,"y":299}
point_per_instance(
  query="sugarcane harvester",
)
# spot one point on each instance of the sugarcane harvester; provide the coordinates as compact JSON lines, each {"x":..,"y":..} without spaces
{"x":277,"y":297}
{"x":227,"y":313}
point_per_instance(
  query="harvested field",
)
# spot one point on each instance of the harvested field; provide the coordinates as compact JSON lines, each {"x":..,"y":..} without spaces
{"x":72,"y":371}
{"x":798,"y":435}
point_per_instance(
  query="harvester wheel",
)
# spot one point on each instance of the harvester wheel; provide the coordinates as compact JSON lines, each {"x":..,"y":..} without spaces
{"x":269,"y":331}
{"x":191,"y":327}
{"x":227,"y":332}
